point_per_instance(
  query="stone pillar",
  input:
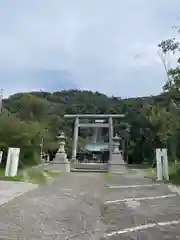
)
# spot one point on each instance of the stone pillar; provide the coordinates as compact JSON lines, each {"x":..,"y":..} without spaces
{"x":165,"y":164}
{"x":162,"y":164}
{"x":75,"y":140}
{"x":123,"y":148}
{"x":99,"y":135}
{"x":1,"y":155}
{"x":159,"y":165}
{"x":12,"y":162}
{"x":110,"y":138}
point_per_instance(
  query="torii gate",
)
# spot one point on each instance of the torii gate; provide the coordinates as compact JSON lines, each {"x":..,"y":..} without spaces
{"x":77,"y":125}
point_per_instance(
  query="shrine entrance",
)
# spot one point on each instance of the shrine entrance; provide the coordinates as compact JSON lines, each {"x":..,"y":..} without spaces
{"x":98,"y":146}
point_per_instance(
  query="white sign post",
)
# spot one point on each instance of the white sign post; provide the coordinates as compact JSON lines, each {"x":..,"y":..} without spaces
{"x":12,"y":162}
{"x":159,"y":165}
{"x":162,"y":164}
{"x":1,"y":155}
{"x":165,"y":164}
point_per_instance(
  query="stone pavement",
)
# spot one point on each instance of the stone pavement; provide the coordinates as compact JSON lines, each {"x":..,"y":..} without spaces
{"x":80,"y":206}
{"x":139,"y":209}
{"x":68,"y":208}
{"x":10,"y":190}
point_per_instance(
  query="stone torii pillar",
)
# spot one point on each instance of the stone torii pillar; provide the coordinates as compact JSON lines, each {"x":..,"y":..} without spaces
{"x":94,"y":125}
{"x":75,"y":140}
{"x":110,"y":138}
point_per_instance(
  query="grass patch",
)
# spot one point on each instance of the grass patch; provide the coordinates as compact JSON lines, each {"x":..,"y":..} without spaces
{"x":143,"y":166}
{"x":150,"y":173}
{"x":107,"y":175}
{"x":174,"y":173}
{"x":37,"y":177}
{"x":2,"y":176}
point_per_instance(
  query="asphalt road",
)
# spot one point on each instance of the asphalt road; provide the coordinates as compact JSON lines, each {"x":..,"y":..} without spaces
{"x":139,"y":209}
{"x":68,"y":208}
{"x":80,"y":206}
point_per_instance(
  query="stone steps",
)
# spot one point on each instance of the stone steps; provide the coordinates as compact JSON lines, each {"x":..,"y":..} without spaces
{"x":89,"y":167}
{"x":88,"y":170}
{"x":113,"y":168}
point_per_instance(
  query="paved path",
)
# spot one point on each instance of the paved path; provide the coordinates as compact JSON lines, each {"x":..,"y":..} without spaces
{"x":82,"y":206}
{"x":10,"y":190}
{"x":69,"y":208}
{"x":139,"y":209}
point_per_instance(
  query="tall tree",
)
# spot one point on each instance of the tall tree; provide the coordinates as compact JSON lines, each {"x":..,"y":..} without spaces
{"x":167,"y":49}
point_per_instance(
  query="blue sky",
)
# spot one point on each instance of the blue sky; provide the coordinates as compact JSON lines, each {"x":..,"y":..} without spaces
{"x":100,"y":45}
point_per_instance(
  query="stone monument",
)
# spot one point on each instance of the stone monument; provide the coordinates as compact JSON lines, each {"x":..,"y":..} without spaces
{"x":60,"y":162}
{"x":162,"y":164}
{"x":12,"y":162}
{"x":1,"y":155}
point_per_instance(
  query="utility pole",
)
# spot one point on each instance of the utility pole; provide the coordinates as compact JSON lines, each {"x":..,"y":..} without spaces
{"x":1,"y":99}
{"x":41,"y":147}
{"x":42,"y":143}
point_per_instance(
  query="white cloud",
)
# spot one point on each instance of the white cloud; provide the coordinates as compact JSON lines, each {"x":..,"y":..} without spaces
{"x":104,"y":45}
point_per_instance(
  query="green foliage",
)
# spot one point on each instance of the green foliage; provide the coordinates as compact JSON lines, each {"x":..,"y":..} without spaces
{"x":149,"y":123}
{"x":174,"y":173}
{"x":169,"y":48}
{"x":37,"y":177}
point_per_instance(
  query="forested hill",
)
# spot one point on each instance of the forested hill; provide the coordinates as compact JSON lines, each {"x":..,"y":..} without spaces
{"x":28,"y":116}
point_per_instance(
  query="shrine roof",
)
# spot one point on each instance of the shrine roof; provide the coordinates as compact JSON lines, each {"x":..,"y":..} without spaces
{"x":97,"y":147}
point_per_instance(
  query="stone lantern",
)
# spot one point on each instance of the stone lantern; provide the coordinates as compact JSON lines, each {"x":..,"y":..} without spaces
{"x":116,"y":143}
{"x":62,"y":141}
{"x":61,"y":161}
{"x":117,"y":164}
